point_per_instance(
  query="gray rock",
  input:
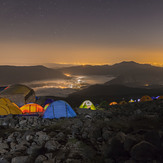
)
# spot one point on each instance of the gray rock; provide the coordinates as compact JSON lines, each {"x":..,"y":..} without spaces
{"x":114,"y":148}
{"x":60,"y":137}
{"x":29,"y":138}
{"x":34,"y":150}
{"x":106,"y":135}
{"x":129,"y":142}
{"x":2,"y":160}
{"x":144,"y":151}
{"x":4,"y":148}
{"x":21,"y":159}
{"x":23,"y":122}
{"x":42,"y":136}
{"x":52,"y":146}
{"x":153,"y":137}
{"x":40,"y":159}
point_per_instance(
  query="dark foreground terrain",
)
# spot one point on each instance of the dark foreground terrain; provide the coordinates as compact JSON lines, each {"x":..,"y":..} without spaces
{"x":131,"y":133}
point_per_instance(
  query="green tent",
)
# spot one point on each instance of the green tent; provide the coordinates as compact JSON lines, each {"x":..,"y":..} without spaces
{"x":88,"y":105}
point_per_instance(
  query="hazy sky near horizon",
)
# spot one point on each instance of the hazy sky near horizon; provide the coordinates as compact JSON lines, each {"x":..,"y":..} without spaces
{"x":81,"y":31}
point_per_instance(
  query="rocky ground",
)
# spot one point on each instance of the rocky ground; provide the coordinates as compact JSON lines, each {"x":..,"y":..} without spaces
{"x":131,"y":133}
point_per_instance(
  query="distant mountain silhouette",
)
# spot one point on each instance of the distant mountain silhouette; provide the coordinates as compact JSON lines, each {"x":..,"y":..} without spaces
{"x":19,"y":74}
{"x":127,"y":73}
{"x":110,"y":93}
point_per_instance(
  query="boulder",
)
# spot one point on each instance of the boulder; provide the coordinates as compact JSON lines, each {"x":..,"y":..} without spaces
{"x":52,"y":146}
{"x":153,"y":138}
{"x":21,"y":159}
{"x":34,"y":150}
{"x":129,"y":142}
{"x":40,"y":159}
{"x":4,"y":148}
{"x":144,"y":151}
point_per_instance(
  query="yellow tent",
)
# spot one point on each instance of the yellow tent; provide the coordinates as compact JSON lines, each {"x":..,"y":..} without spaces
{"x":113,"y":103}
{"x":32,"y":108}
{"x":131,"y":101}
{"x":145,"y":98}
{"x":87,"y":105}
{"x":122,"y":103}
{"x":7,"y":107}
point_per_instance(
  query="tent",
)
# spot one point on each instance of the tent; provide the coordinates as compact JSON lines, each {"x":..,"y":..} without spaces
{"x":145,"y":98}
{"x":160,"y":98}
{"x":32,"y":108}
{"x":122,"y":103}
{"x":113,"y":103}
{"x":88,"y":105}
{"x":131,"y":101}
{"x":7,"y":107}
{"x":59,"y":109}
{"x":45,"y":107}
{"x":19,"y":94}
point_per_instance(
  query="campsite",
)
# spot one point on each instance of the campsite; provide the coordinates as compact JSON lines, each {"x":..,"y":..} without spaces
{"x":81,"y":81}
{"x":49,"y":129}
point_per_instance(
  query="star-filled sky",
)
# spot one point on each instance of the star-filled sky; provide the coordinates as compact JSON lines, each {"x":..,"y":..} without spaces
{"x":81,"y":31}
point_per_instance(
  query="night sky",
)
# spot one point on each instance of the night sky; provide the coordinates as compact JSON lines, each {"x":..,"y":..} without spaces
{"x":81,"y":31}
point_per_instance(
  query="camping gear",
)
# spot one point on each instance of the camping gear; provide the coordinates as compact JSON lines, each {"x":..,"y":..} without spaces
{"x":59,"y":109}
{"x":145,"y":98}
{"x":32,"y":108}
{"x":19,"y":94}
{"x":160,"y":98}
{"x":7,"y":107}
{"x":45,"y":107}
{"x":88,"y":105}
{"x":122,"y":102}
{"x":113,"y":103}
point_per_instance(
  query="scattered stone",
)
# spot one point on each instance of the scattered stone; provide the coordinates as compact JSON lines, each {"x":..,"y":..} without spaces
{"x":144,"y":151}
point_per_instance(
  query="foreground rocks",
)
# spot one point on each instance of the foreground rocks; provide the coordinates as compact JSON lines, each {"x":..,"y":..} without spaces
{"x":126,"y":134}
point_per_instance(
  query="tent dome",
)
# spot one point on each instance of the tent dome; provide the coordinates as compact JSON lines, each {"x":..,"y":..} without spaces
{"x":19,"y":94}
{"x":113,"y":103}
{"x":88,"y":105}
{"x":32,"y":108}
{"x":122,"y":103}
{"x":7,"y":107}
{"x":145,"y":98}
{"x":59,"y":109}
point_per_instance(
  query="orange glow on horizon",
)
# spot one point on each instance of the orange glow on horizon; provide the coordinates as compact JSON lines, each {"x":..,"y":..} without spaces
{"x":40,"y":53}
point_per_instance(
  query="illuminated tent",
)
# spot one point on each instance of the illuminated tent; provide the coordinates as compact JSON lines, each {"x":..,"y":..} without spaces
{"x":145,"y":98}
{"x":122,"y":103}
{"x":45,"y":107}
{"x":87,"y":105}
{"x":7,"y":107}
{"x":131,"y":101}
{"x":31,"y":108}
{"x":113,"y":103}
{"x":59,"y":109}
{"x":19,"y":94}
{"x":160,"y":98}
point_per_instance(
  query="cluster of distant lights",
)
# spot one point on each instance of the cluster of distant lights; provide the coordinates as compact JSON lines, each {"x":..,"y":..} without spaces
{"x":74,"y":83}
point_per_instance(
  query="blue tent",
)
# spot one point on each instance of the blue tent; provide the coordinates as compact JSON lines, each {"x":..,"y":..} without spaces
{"x":59,"y":109}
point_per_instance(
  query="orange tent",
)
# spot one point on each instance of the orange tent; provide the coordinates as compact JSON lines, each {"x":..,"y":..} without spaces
{"x":160,"y":98}
{"x":122,"y":103}
{"x":32,"y":108}
{"x":145,"y":98}
{"x":113,"y":103}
